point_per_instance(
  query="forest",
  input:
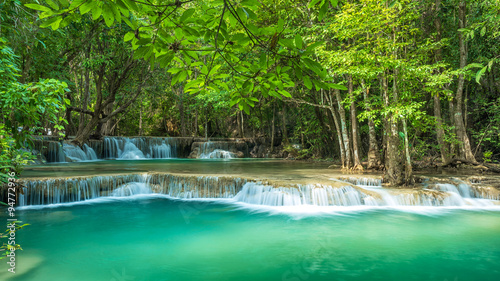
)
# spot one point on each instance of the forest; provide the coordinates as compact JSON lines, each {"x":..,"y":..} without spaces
{"x":379,"y":85}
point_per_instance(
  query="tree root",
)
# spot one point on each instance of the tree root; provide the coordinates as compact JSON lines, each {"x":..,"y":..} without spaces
{"x":456,"y":161}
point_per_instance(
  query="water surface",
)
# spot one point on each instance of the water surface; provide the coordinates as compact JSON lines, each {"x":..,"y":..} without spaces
{"x":156,"y":238}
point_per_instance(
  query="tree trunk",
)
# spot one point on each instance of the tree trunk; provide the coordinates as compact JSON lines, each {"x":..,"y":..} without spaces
{"x":107,"y":127}
{"x":354,"y":127}
{"x":242,"y":124}
{"x":408,"y":167}
{"x":373,"y":153}
{"x":283,"y":123}
{"x":443,"y":146}
{"x":238,"y":124}
{"x":339,"y":130}
{"x":393,"y":172}
{"x":345,"y":133}
{"x":195,"y":131}
{"x":273,"y":128}
{"x":465,"y":147}
{"x":140,"y":120}
{"x":181,"y":110}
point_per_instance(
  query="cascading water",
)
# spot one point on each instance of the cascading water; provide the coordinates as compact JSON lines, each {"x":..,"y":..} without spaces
{"x":317,"y":195}
{"x":132,"y":188}
{"x":56,"y":152}
{"x":216,"y":150}
{"x":139,"y":148}
{"x":66,"y":190}
{"x":130,"y":151}
{"x":218,"y":154}
{"x":39,"y":192}
{"x":75,"y":153}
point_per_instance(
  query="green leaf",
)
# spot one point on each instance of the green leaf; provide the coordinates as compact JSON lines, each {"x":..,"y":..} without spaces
{"x":312,"y":3}
{"x":280,"y":24}
{"x":187,"y":14}
{"x":182,"y":76}
{"x":307,"y":82}
{"x":38,"y":7}
{"x":298,"y":72}
{"x":285,"y":93}
{"x":49,"y":22}
{"x":86,"y":7}
{"x":108,"y":15}
{"x":76,"y":3}
{"x":96,"y":13}
{"x":178,"y":33}
{"x":483,"y":31}
{"x":323,"y":10}
{"x":128,"y":36}
{"x":480,"y":73}
{"x":52,"y":4}
{"x":312,"y":46}
{"x":130,"y":4}
{"x":298,"y":41}
{"x":246,"y":108}
{"x":474,"y":65}
{"x":56,"y":23}
{"x":334,"y":3}
{"x":337,"y":86}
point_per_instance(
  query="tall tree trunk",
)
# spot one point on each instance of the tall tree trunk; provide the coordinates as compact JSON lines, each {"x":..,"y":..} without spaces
{"x":451,"y":109}
{"x":238,"y":124}
{"x":242,"y":124}
{"x":140,"y":120}
{"x":195,"y":129}
{"x":283,"y":123}
{"x":443,"y":146}
{"x":354,"y":127}
{"x":339,"y":130}
{"x":107,"y":127}
{"x":181,"y":110}
{"x":273,"y":128}
{"x":393,"y":172}
{"x":86,"y":93}
{"x":373,"y":153}
{"x":408,"y":167}
{"x":465,"y":147}
{"x":345,"y":133}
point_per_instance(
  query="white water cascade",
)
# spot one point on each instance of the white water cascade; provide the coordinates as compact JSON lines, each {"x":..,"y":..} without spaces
{"x":215,"y":150}
{"x":76,"y":154}
{"x":239,"y":190}
{"x":139,"y":148}
{"x":318,"y":195}
{"x":132,"y":188}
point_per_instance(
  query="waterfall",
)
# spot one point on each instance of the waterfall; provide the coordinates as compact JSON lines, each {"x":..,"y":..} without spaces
{"x":216,"y":150}
{"x":56,"y":152}
{"x":66,"y":190}
{"x":75,"y":153}
{"x":130,"y":151}
{"x":318,"y":195}
{"x":241,"y":190}
{"x":363,"y":181}
{"x":139,"y":148}
{"x":217,"y":154}
{"x":161,"y":151}
{"x":132,"y":188}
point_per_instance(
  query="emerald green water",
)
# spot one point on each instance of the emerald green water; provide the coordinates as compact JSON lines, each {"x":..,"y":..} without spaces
{"x":156,"y":238}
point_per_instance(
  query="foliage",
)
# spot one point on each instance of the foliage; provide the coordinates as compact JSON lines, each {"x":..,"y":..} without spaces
{"x":7,"y":248}
{"x":24,"y":109}
{"x":210,"y":45}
